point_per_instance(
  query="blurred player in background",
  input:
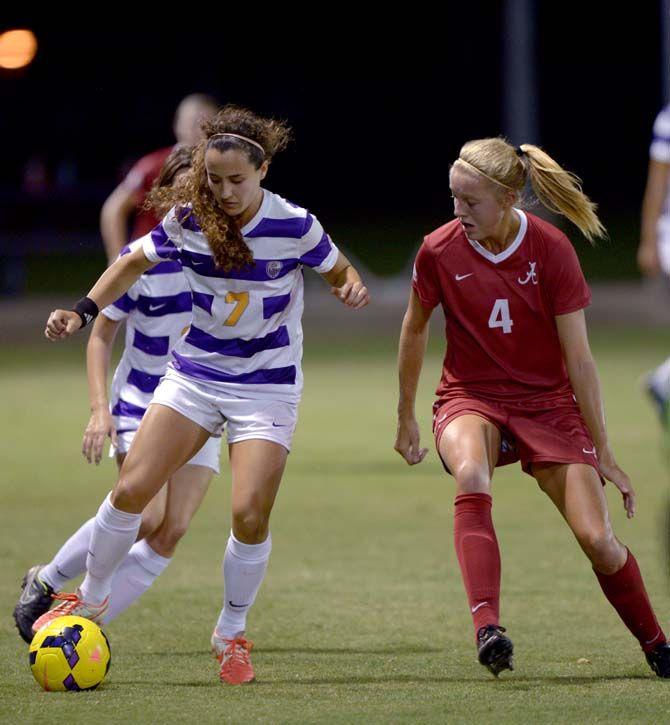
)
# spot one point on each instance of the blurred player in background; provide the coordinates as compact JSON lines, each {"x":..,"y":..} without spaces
{"x":157,"y":310}
{"x":243,"y":249}
{"x":128,"y":197}
{"x":519,"y":381}
{"x":653,"y":254}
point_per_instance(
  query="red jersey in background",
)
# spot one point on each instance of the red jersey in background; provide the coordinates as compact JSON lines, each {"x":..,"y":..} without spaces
{"x":139,"y":181}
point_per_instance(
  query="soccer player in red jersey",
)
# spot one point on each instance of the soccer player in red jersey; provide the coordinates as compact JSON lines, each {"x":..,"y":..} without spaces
{"x":519,"y":382}
{"x":128,"y":197}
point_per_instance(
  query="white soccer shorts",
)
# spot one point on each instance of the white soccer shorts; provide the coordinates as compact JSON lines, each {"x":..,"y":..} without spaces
{"x":242,"y":418}
{"x":208,"y":456}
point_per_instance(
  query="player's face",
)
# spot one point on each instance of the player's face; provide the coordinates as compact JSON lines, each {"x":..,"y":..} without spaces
{"x":235,"y":182}
{"x":479,"y":206}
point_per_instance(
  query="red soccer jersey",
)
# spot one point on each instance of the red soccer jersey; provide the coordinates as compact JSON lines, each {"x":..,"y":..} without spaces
{"x":502,"y":341}
{"x":139,"y":181}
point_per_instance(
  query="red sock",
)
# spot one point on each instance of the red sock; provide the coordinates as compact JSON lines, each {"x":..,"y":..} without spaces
{"x":626,"y":593}
{"x":478,"y":556}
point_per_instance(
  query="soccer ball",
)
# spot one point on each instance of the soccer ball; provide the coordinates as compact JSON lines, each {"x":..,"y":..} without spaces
{"x":69,"y":653}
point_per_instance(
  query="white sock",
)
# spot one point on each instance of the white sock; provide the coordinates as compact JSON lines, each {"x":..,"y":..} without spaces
{"x":137,"y":572}
{"x":661,"y":378}
{"x":244,"y":567}
{"x":114,"y":532}
{"x":70,"y":561}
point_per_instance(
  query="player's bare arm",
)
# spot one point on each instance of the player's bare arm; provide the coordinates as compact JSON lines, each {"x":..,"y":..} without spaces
{"x":583,"y":375}
{"x":98,"y":355}
{"x":346,"y":284}
{"x":116,"y":211}
{"x":113,"y":282}
{"x":411,"y":351}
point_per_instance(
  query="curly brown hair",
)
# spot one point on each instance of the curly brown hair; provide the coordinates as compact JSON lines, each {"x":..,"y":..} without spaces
{"x":193,"y":197}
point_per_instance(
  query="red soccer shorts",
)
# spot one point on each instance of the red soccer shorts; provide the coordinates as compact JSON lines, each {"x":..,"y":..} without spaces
{"x":530,"y":433}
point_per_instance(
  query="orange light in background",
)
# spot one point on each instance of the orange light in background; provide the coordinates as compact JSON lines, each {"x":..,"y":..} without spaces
{"x":17,"y":48}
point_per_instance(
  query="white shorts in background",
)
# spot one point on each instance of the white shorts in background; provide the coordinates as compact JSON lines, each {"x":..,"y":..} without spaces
{"x":209,"y":455}
{"x":243,"y":418}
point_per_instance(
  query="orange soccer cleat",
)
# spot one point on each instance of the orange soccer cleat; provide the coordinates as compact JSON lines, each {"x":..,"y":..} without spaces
{"x":233,"y":655}
{"x":72,"y":605}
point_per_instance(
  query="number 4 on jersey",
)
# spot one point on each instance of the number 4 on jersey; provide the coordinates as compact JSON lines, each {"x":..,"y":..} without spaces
{"x":500,"y":316}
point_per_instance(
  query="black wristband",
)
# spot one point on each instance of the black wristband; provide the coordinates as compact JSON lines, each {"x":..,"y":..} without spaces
{"x":87,"y":310}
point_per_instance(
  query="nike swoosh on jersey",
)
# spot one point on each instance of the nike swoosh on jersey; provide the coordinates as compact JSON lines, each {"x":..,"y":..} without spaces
{"x":459,"y":277}
{"x":153,"y":308}
{"x":279,"y":425}
{"x":592,"y":451}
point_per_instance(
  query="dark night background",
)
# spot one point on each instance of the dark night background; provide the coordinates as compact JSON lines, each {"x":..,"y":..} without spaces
{"x":379,"y":109}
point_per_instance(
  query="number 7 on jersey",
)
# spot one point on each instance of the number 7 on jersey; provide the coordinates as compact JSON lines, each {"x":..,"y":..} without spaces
{"x":500,"y":316}
{"x":241,"y":300}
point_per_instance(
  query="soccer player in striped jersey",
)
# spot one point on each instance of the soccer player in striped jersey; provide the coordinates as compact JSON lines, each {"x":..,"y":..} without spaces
{"x":519,"y":381}
{"x":653,"y":254}
{"x":156,"y":310}
{"x":243,"y":249}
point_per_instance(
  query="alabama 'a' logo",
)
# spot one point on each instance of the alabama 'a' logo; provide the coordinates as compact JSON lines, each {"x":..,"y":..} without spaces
{"x":273,"y":269}
{"x":531,"y":275}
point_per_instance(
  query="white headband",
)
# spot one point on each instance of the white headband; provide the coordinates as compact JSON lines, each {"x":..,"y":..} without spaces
{"x":243,"y":138}
{"x":479,"y":171}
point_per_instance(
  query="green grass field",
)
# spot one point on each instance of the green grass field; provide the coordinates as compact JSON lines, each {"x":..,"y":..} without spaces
{"x":362,"y":616}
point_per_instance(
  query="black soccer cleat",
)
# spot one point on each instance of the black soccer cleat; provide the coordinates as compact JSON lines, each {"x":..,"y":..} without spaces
{"x":659,"y":659}
{"x":34,"y":601}
{"x":494,"y":649}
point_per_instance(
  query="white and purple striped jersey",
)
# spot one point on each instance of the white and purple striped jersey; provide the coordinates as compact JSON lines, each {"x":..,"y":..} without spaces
{"x":660,"y":147}
{"x":157,"y":309}
{"x":246,"y":333}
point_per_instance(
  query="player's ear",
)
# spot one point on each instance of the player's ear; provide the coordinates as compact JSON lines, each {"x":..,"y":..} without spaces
{"x":264,"y":169}
{"x":509,"y":198}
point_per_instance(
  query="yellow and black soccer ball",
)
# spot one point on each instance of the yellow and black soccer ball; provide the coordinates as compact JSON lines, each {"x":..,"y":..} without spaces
{"x":69,"y":654}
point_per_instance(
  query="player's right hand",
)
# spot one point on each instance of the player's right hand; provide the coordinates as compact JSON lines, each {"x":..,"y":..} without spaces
{"x":100,"y":426}
{"x":407,"y":442}
{"x":62,"y":324}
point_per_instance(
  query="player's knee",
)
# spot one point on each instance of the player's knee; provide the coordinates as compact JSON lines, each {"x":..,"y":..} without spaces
{"x":126,"y":497}
{"x":165,"y":540}
{"x":172,"y":532}
{"x":602,"y":548}
{"x":472,"y":477}
{"x":250,"y":526}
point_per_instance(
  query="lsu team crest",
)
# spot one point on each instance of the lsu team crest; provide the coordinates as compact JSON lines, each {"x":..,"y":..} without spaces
{"x":273,"y":269}
{"x":531,"y":275}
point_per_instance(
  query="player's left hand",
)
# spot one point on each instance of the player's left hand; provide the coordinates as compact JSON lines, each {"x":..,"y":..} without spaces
{"x":611,"y":471}
{"x":100,"y":426}
{"x":352,"y":294}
